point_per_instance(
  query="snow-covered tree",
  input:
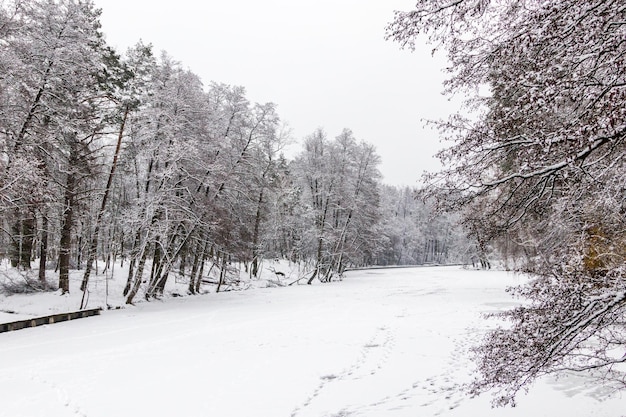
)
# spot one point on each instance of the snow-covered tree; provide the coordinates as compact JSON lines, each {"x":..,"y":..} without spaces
{"x":56,"y":110}
{"x":105,"y":155}
{"x":339,"y":192}
{"x":164,"y":144}
{"x":543,"y":163}
{"x":416,"y":234}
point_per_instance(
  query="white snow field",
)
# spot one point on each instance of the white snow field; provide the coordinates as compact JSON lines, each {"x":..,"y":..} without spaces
{"x":380,"y":343}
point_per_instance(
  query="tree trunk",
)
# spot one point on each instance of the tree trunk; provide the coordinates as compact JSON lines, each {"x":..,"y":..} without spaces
{"x":255,"y":237}
{"x":129,"y":279}
{"x":183,"y":262}
{"x":133,"y":260}
{"x":22,"y":241}
{"x":155,"y":272}
{"x":222,"y":271}
{"x":43,"y":249}
{"x":138,"y":275}
{"x":191,"y":289}
{"x":201,"y":271}
{"x":160,"y":285}
{"x":66,"y":234}
{"x":161,"y":273}
{"x":94,"y":239}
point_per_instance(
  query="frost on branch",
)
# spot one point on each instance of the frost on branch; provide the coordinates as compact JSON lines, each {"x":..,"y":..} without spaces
{"x":574,"y":323}
{"x":541,"y":167}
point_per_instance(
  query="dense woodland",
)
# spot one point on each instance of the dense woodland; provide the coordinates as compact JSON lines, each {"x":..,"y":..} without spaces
{"x":129,"y":157}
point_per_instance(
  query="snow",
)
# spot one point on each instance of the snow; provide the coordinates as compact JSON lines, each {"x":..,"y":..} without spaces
{"x":379,"y":343}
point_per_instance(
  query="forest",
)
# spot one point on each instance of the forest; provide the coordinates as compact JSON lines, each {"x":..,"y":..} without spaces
{"x":129,"y":157}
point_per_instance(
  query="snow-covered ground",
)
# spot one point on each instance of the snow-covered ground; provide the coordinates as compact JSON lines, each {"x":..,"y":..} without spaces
{"x":379,"y":343}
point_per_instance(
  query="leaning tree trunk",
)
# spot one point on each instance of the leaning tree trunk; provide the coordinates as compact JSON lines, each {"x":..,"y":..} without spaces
{"x":198,"y":266}
{"x":94,"y":239}
{"x":138,"y":275}
{"x":134,"y":254}
{"x":161,"y":274}
{"x":201,"y":271}
{"x":222,"y":270}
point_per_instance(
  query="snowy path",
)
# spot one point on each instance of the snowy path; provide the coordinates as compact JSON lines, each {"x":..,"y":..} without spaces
{"x":380,"y":343}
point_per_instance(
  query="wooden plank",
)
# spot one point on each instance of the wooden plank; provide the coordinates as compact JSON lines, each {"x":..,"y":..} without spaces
{"x":54,"y":318}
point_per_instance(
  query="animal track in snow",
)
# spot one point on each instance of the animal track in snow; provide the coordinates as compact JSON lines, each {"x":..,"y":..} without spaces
{"x":61,"y":393}
{"x":374,"y":354}
{"x":372,"y":357}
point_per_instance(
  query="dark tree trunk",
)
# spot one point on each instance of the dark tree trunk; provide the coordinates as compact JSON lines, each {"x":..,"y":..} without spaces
{"x":320,"y":240}
{"x":155,"y":272}
{"x":255,"y":237}
{"x":133,"y":261}
{"x":201,"y":271}
{"x":194,"y":268}
{"x":79,"y":246}
{"x":183,"y":262}
{"x":222,"y":271}
{"x":66,"y":234}
{"x":22,"y":242}
{"x":129,"y":279}
{"x":43,"y":249}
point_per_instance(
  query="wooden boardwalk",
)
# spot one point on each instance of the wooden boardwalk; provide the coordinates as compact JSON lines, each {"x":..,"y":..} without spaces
{"x":54,"y":318}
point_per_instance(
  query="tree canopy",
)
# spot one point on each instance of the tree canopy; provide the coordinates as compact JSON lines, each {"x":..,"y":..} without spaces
{"x":541,"y":162}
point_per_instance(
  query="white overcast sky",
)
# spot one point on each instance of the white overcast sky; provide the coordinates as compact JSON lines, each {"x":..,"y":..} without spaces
{"x":325,"y":63}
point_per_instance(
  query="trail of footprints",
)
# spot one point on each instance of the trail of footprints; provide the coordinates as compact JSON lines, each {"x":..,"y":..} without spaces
{"x":62,"y":394}
{"x":445,"y":391}
{"x":372,"y":357}
{"x":441,"y":392}
{"x":374,"y":354}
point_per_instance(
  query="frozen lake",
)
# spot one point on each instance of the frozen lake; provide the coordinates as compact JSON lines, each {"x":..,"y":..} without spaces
{"x":380,"y":343}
